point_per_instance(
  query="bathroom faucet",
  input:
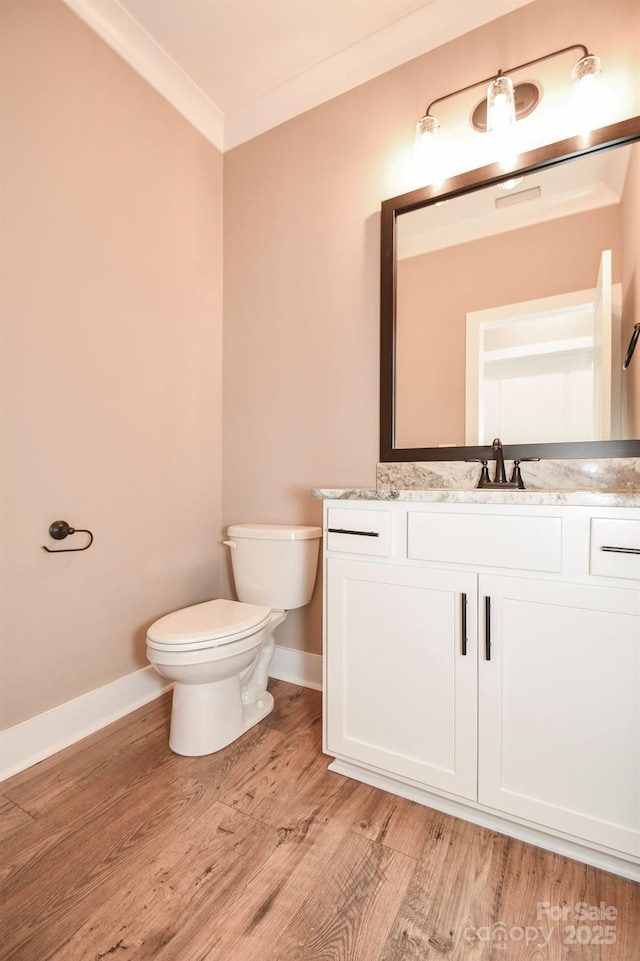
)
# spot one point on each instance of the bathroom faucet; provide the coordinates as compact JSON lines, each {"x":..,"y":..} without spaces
{"x":500,"y":475}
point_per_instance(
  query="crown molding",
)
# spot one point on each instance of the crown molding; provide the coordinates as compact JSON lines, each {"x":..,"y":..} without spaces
{"x":123,"y":34}
{"x":432,"y":25}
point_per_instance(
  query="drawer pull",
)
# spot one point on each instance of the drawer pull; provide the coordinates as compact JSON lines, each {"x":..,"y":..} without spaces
{"x":463,"y":629}
{"x":621,"y":550}
{"x":342,"y":530}
{"x":487,"y":628}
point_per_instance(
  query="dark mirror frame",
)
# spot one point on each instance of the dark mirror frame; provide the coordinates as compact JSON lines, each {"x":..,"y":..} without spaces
{"x":626,"y":131}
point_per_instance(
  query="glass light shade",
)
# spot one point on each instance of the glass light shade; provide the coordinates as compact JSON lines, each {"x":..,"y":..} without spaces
{"x":427,"y":155}
{"x":426,"y":130}
{"x":501,"y":108}
{"x":586,"y":70}
{"x":590,"y":103}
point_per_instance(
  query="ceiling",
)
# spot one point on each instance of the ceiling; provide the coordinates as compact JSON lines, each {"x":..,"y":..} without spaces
{"x":236,"y":68}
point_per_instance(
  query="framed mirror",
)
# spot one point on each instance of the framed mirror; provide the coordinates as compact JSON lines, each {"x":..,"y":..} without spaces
{"x":507,"y":301}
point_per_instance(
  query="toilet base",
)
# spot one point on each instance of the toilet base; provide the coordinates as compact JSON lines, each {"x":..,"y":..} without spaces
{"x":255,"y":712}
{"x":207,"y":717}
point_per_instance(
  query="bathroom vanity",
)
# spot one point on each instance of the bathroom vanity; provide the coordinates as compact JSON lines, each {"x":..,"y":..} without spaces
{"x":482,"y":646}
{"x":482,"y":656}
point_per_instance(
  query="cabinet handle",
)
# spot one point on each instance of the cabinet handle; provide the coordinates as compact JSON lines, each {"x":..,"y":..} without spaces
{"x":487,"y":628}
{"x":621,"y":550}
{"x":342,"y":530}
{"x":463,"y":629}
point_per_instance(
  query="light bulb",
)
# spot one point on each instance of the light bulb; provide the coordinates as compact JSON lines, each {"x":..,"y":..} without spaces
{"x":501,"y":108}
{"x":426,"y":154}
{"x":426,"y":132}
{"x":588,"y":103}
{"x":586,"y":71}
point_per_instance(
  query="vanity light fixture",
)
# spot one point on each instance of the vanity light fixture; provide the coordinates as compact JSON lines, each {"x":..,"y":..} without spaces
{"x":505,"y":102}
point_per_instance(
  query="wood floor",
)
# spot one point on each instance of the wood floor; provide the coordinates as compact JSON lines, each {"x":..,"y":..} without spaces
{"x":116,"y":848}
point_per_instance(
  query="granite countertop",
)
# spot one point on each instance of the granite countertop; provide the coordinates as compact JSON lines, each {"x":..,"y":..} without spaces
{"x":529,"y":497}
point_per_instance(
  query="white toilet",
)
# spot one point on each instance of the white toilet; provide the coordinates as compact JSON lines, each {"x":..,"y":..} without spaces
{"x":218,"y":653}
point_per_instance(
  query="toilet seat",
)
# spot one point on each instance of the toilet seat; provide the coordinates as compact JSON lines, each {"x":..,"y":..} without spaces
{"x":211,"y":624}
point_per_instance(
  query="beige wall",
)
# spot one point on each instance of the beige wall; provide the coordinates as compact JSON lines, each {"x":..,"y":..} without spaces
{"x":552,"y":258}
{"x":301,"y":241}
{"x":111,"y":325}
{"x":111,"y":359}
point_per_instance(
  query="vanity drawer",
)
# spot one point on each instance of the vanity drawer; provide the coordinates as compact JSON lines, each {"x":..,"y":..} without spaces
{"x":519,"y":542}
{"x":358,"y":532}
{"x":615,"y":548}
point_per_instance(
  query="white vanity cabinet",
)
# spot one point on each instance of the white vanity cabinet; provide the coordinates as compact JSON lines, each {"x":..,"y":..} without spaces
{"x":558,"y":726}
{"x":485,"y":659}
{"x":401,"y":672}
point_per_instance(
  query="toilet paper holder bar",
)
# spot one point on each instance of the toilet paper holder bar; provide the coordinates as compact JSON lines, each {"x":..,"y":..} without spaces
{"x":59,"y":530}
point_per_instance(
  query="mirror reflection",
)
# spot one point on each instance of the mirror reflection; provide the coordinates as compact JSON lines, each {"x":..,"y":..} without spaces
{"x":556,"y":358}
{"x":511,"y":318}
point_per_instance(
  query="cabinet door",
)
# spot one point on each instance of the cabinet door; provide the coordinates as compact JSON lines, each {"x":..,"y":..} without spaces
{"x":559,"y":729}
{"x":401,"y":687}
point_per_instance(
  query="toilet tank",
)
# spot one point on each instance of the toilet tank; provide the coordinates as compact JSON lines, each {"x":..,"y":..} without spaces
{"x":274,"y":564}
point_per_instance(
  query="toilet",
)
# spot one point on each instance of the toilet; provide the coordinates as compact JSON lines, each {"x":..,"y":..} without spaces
{"x":218,"y":653}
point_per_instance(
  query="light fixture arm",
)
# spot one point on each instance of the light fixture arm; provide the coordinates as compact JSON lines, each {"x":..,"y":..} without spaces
{"x":521,"y":66}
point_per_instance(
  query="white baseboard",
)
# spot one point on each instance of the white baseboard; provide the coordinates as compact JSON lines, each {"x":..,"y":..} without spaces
{"x":46,"y":734}
{"x":297,"y":667}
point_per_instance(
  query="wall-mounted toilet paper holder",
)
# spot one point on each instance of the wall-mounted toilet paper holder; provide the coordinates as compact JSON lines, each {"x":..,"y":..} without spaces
{"x":59,"y":530}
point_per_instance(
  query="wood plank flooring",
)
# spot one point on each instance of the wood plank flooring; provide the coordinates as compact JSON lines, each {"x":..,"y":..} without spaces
{"x":116,"y":848}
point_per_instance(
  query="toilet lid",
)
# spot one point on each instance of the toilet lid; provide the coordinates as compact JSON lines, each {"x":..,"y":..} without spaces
{"x":215,"y":622}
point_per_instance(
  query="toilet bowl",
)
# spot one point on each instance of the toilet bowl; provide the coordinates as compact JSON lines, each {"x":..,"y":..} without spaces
{"x":218,"y":653}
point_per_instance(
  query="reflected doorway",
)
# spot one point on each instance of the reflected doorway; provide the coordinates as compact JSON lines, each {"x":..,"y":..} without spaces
{"x":555,"y":360}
